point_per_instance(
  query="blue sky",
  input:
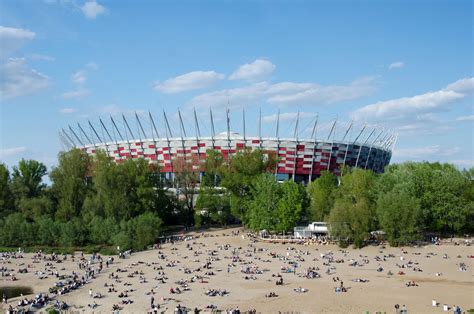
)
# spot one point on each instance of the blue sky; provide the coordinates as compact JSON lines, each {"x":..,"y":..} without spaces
{"x":403,"y":65}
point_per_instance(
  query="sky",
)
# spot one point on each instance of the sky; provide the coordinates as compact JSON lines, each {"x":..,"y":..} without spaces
{"x":400,"y":67}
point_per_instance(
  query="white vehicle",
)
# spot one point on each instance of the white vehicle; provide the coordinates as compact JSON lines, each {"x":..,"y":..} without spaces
{"x":318,"y":227}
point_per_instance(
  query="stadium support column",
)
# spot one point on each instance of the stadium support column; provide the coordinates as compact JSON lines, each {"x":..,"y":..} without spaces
{"x":143,"y":131}
{"x":260,"y":128}
{"x":243,"y":126}
{"x":370,"y":149}
{"x":197,"y":131}
{"x":98,"y":137}
{"x":213,"y":131}
{"x":332,"y":142}
{"x":355,"y":141}
{"x":360,"y":147}
{"x":228,"y":133}
{"x":277,"y":135}
{"x":297,"y":144}
{"x":168,"y":134}
{"x":153,"y":134}
{"x":183,"y":131}
{"x":85,"y":135}
{"x":75,"y":135}
{"x":313,"y":137}
{"x":69,"y":138}
{"x":126,"y":134}
{"x":347,"y":145}
{"x":374,"y":165}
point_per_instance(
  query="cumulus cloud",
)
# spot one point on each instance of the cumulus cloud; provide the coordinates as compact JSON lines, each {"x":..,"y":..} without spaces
{"x":287,"y":116}
{"x":12,"y":39}
{"x":466,"y":118}
{"x":232,"y":98}
{"x":92,"y":9}
{"x":412,"y":107}
{"x":426,"y":152}
{"x":39,"y":57}
{"x":18,"y":79}
{"x":253,"y":71}
{"x":189,"y":81}
{"x":92,"y":66}
{"x":75,"y":94}
{"x":79,"y":77}
{"x":8,"y":152}
{"x":114,"y":109}
{"x":396,"y":65}
{"x":320,"y":95}
{"x":285,"y":93}
{"x":67,"y":110}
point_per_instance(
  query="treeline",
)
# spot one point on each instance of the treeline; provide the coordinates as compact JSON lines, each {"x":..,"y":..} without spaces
{"x":90,"y":201}
{"x":95,"y":201}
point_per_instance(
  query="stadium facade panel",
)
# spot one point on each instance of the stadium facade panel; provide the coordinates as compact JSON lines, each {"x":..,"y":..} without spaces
{"x":298,"y":159}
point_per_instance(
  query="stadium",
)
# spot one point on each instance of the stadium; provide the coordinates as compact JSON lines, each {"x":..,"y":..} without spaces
{"x":301,"y":160}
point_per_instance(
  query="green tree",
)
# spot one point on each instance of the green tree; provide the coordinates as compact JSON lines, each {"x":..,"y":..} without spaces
{"x":6,"y":198}
{"x":399,"y":214}
{"x":238,"y":175}
{"x":27,"y":179}
{"x":321,"y":192}
{"x":263,"y":203}
{"x":291,"y":205}
{"x":71,"y":183}
{"x":354,"y":212}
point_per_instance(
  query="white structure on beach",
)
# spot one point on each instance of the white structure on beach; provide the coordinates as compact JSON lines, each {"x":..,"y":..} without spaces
{"x":313,"y":229}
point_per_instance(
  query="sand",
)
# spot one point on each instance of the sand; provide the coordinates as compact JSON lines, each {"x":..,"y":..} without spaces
{"x":382,"y":291}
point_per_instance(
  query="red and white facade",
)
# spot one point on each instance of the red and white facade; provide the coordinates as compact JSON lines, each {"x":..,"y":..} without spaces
{"x":302,"y":159}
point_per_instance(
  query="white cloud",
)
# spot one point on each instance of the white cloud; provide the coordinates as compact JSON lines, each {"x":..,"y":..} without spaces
{"x":8,"y":152}
{"x":114,"y":109}
{"x":319,"y":95}
{"x":67,"y":110}
{"x":92,"y":66}
{"x":12,"y":39}
{"x":409,"y":108}
{"x":466,"y":118}
{"x":39,"y":57}
{"x":253,"y":71}
{"x":464,"y":85}
{"x":17,"y":79}
{"x":463,"y":163}
{"x":92,"y":9}
{"x":287,"y":116}
{"x":285,"y":93}
{"x":75,"y":94}
{"x":425,"y":152}
{"x":232,"y":98}
{"x":189,"y":81}
{"x":79,"y":77}
{"x":396,"y":65}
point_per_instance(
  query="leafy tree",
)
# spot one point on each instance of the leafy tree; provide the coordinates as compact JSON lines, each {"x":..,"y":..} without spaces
{"x":322,"y":192}
{"x":147,"y":230}
{"x":35,"y":207}
{"x":70,"y":183}
{"x":6,"y":198}
{"x":186,"y":180}
{"x":399,"y":214}
{"x":354,"y":213}
{"x":291,"y":205}
{"x":49,"y":231}
{"x":262,"y":206}
{"x":27,"y":179}
{"x":238,"y":175}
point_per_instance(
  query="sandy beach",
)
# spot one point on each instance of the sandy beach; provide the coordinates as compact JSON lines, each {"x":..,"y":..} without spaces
{"x":373,"y":279}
